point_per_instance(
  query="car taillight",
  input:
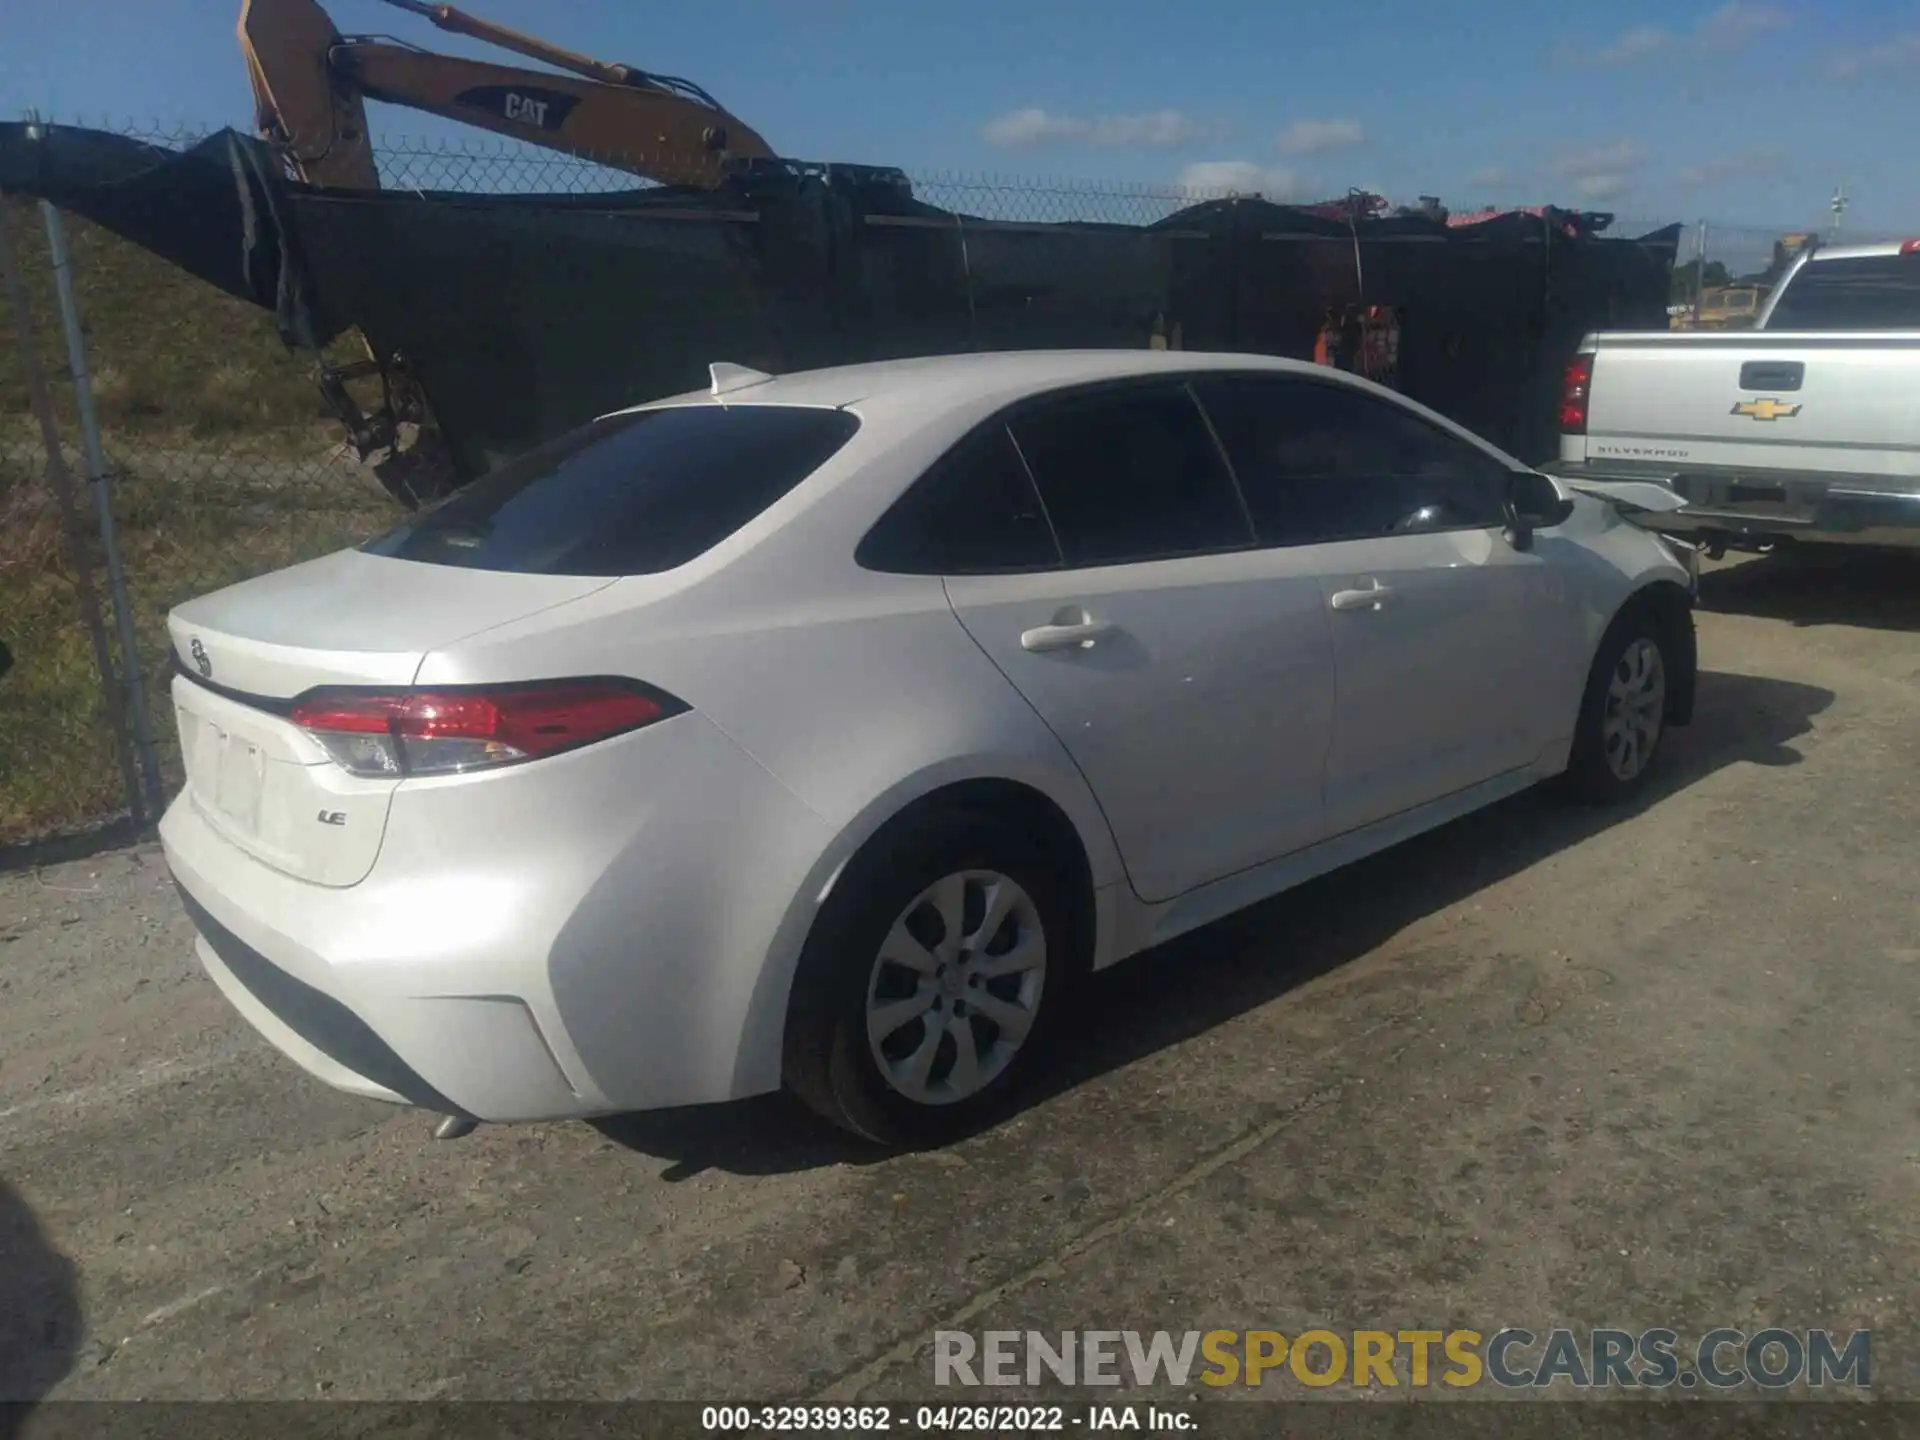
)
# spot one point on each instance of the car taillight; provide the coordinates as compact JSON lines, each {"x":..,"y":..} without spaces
{"x":444,"y":731}
{"x":1575,"y":391}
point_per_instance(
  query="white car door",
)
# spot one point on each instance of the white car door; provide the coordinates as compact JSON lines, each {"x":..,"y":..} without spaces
{"x":1187,"y":672}
{"x":1449,"y":641}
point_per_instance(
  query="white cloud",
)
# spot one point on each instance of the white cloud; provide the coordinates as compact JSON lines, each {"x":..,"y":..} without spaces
{"x":1243,"y":177}
{"x":1760,"y":164}
{"x":1019,"y":129}
{"x":1152,"y":130}
{"x":1739,"y":22}
{"x":1599,"y":171}
{"x":1636,"y":44}
{"x":1734,"y":26}
{"x":1898,"y":54}
{"x":1609,"y":157}
{"x":1315,"y":137}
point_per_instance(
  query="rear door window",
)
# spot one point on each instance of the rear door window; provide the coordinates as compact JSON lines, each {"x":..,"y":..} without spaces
{"x":975,"y":512}
{"x":1319,"y":461}
{"x":1871,"y":292}
{"x":1131,"y":474}
{"x":632,"y":494}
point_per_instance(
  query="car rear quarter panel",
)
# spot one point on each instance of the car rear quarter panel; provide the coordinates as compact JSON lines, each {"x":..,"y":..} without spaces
{"x":858,"y":690}
{"x":856,"y":710}
{"x":859,"y":703}
{"x":860,"y":693}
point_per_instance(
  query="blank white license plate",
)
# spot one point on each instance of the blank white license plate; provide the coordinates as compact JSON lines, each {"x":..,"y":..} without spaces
{"x":229,"y":775}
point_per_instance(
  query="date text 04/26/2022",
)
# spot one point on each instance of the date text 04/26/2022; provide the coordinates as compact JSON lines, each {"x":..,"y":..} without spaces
{"x":941,"y":1419}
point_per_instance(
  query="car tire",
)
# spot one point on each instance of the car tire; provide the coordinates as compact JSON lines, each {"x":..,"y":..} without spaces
{"x":1624,"y":709}
{"x":890,"y":913}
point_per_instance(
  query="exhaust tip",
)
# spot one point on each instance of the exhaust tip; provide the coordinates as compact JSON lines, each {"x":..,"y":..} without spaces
{"x":455,"y":1127}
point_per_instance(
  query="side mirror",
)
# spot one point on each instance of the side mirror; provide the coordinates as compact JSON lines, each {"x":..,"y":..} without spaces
{"x":1533,"y":503}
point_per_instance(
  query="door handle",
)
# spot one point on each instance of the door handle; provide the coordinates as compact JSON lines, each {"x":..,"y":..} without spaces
{"x":1372,"y":599}
{"x":1043,"y":638}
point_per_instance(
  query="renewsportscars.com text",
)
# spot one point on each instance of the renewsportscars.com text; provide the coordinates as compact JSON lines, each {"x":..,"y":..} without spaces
{"x":1510,"y":1358}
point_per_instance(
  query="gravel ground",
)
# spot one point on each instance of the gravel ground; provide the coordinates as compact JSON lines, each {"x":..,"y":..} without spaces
{"x":1544,"y":1067}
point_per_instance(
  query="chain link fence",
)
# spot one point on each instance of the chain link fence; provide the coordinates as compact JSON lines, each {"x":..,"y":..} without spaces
{"x":487,"y":166}
{"x":220,"y":462}
{"x":223,"y":462}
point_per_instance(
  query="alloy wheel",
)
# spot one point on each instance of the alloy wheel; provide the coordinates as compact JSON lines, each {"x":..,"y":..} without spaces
{"x":956,"y":987}
{"x":1636,"y":704}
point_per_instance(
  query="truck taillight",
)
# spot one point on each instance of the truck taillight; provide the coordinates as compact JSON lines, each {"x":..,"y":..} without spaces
{"x":1575,"y":391}
{"x":452,"y":729}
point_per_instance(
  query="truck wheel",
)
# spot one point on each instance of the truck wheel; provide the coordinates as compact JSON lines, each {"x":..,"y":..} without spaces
{"x":1623,"y":714}
{"x":932,"y":982}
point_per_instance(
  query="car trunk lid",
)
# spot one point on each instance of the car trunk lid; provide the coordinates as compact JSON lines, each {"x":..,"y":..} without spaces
{"x":244,"y":653}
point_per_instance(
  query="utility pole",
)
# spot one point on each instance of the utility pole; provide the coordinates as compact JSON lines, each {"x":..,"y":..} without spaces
{"x":1838,"y":205}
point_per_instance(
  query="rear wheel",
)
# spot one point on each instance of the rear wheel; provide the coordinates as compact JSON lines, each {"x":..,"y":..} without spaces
{"x":930,"y":985}
{"x":1623,"y":715}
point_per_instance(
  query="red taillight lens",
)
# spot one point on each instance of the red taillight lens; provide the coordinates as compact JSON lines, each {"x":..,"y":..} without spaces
{"x":1574,"y":393}
{"x":399,"y":733}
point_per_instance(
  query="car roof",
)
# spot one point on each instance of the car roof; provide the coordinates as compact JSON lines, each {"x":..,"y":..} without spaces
{"x":1858,"y":252}
{"x":964,"y":381}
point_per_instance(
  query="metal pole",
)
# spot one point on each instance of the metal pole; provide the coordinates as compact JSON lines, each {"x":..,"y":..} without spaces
{"x":103,"y":502}
{"x":1699,"y":273}
{"x":42,"y":401}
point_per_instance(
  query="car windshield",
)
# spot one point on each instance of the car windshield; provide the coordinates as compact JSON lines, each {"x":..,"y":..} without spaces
{"x":631,"y":494}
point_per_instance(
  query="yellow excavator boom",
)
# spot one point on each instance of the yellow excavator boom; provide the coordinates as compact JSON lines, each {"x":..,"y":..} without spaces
{"x":310,"y":88}
{"x":310,"y":84}
{"x":458,"y":22}
{"x":300,"y":106}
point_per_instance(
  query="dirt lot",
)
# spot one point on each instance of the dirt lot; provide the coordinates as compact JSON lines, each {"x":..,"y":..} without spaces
{"x":1544,"y":1067}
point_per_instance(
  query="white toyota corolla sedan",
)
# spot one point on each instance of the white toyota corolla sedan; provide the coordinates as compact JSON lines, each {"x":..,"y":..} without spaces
{"x":825,"y":730}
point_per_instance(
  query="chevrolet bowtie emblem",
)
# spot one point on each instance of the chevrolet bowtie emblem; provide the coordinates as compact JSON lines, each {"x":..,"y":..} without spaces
{"x":1766,"y":409}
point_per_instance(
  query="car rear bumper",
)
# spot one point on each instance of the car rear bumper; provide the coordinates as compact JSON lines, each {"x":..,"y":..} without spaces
{"x":321,"y":1034}
{"x":531,"y":946}
{"x":1763,"y":508}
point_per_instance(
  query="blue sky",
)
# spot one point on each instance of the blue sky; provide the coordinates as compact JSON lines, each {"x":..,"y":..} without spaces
{"x":1748,"y":112}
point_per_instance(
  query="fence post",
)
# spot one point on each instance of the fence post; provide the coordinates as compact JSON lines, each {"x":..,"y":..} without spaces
{"x":1699,"y":273}
{"x":136,"y":696}
{"x":42,"y":403}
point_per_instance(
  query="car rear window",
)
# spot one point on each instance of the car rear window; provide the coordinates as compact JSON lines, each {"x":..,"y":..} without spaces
{"x":1869,"y":292}
{"x":632,"y":494}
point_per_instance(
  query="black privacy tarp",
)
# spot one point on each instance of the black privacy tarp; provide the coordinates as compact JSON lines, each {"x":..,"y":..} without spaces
{"x":523,"y":315}
{"x":211,"y":209}
{"x":520,"y":320}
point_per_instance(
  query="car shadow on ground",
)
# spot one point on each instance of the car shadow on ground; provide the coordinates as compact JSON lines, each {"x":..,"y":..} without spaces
{"x":40,"y":1324}
{"x":1820,"y":585}
{"x":1189,"y":985}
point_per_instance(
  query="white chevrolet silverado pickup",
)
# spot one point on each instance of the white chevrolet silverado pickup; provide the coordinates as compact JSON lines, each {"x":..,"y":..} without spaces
{"x":1805,"y":428}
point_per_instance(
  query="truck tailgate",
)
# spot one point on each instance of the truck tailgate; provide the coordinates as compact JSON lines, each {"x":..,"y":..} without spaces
{"x":1834,"y":403}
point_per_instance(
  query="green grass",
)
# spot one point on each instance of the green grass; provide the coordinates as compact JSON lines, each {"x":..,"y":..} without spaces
{"x":171,"y":357}
{"x":223,"y":466}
